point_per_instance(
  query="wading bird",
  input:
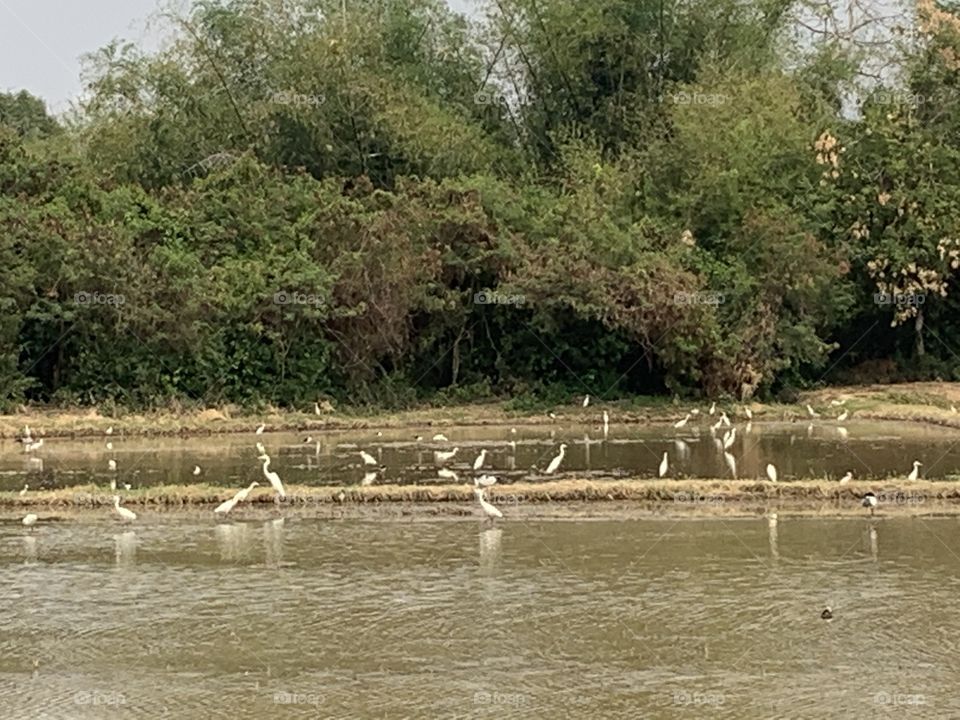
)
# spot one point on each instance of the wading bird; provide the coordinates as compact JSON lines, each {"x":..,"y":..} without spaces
{"x":260,"y":428}
{"x":748,"y":413}
{"x":367,"y":458}
{"x":869,"y":500}
{"x":716,"y":425}
{"x":586,"y":400}
{"x":272,"y":476}
{"x":196,"y":469}
{"x":837,"y":403}
{"x":226,"y":506}
{"x":843,"y":416}
{"x":440,"y":437}
{"x":112,"y":465}
{"x":846,"y":478}
{"x":813,"y":413}
{"x":771,"y":472}
{"x":29,"y":519}
{"x":915,"y":473}
{"x":242,"y":494}
{"x":681,"y":423}
{"x":713,"y":408}
{"x":489,"y":510}
{"x":316,"y":409}
{"x":447,"y":474}
{"x":443,"y":456}
{"x":724,"y":419}
{"x":478,"y":463}
{"x":555,"y":463}
{"x":664,"y":465}
{"x":110,"y":430}
{"x":729,"y":439}
{"x":24,"y":491}
{"x":122,"y":511}
{"x":606,"y":422}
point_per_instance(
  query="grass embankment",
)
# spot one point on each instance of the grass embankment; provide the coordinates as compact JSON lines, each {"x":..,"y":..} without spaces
{"x":912,"y":402}
{"x":721,"y":497}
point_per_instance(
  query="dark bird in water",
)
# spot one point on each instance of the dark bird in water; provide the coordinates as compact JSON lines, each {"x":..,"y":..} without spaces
{"x":827,"y":614}
{"x":869,"y":501}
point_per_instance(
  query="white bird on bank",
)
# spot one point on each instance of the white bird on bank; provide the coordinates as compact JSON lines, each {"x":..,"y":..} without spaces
{"x":681,"y":423}
{"x":846,"y":478}
{"x":813,"y":413}
{"x":915,"y":473}
{"x":713,"y":408}
{"x":724,"y":419}
{"x":606,"y":422}
{"x":716,"y":425}
{"x":749,"y":413}
{"x":440,"y":437}
{"x":242,"y":494}
{"x":367,"y":458}
{"x":664,"y":466}
{"x":226,"y":506}
{"x":112,"y":465}
{"x":843,"y":416}
{"x":447,"y":474}
{"x":196,"y":470}
{"x":369,"y":477}
{"x":29,"y":519}
{"x":443,"y":456}
{"x":837,"y":403}
{"x":695,"y":411}
{"x":485,"y":480}
{"x":260,"y":428}
{"x":316,"y":409}
{"x":24,"y":491}
{"x":272,"y":476}
{"x":586,"y":400}
{"x":771,"y":472}
{"x":110,"y":430}
{"x":122,"y":511}
{"x":481,"y":458}
{"x":729,"y":439}
{"x":489,"y":510}
{"x":555,"y":463}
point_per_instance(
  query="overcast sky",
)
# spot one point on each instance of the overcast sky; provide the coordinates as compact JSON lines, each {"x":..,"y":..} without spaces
{"x":42,"y":41}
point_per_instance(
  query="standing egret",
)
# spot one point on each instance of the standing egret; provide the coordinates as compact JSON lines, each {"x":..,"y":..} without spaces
{"x":272,"y":476}
{"x":260,"y":428}
{"x":242,"y":494}
{"x":24,"y":491}
{"x":555,"y":463}
{"x":731,"y":463}
{"x":713,"y":408}
{"x":367,"y":458}
{"x":842,"y":432}
{"x":226,"y":506}
{"x":813,"y":413}
{"x":196,"y":469}
{"x":664,"y":465}
{"x":843,"y":416}
{"x":447,"y":474}
{"x":122,"y":511}
{"x":368,"y":478}
{"x":869,"y":500}
{"x":443,"y":456}
{"x":586,"y":400}
{"x":915,"y":473}
{"x":110,"y":430}
{"x":681,"y":423}
{"x":724,"y":419}
{"x":478,"y":463}
{"x":485,"y":480}
{"x":316,"y":409}
{"x":440,"y":437}
{"x":846,"y":478}
{"x":29,"y":519}
{"x":606,"y":422}
{"x":771,"y":472}
{"x":716,"y":425}
{"x":489,"y":510}
{"x":112,"y":465}
{"x":749,"y":413}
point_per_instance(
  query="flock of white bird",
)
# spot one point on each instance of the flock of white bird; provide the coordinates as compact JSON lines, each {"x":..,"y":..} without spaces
{"x":724,"y":444}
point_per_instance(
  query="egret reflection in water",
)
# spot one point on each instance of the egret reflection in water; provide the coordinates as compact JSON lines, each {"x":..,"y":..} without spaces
{"x":234,"y":541}
{"x":273,"y":542}
{"x":125,"y":549}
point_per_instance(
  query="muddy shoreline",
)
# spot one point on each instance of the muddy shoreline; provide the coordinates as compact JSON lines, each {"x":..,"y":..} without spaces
{"x":580,"y":499}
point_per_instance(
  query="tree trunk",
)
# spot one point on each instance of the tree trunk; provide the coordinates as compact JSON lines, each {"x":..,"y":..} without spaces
{"x":918,"y":349}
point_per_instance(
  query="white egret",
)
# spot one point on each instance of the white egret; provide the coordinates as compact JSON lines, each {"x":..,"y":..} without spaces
{"x":24,"y":491}
{"x":122,"y":511}
{"x":367,"y":458}
{"x":713,"y":408}
{"x":749,"y":413}
{"x":196,"y":469}
{"x":33,"y":445}
{"x":126,"y":486}
{"x":226,"y":506}
{"x":485,"y":480}
{"x":731,"y":463}
{"x":368,"y":478}
{"x":112,"y":465}
{"x":843,"y":416}
{"x":272,"y":476}
{"x":915,"y":473}
{"x":29,"y":519}
{"x":478,"y":463}
{"x":489,"y":510}
{"x":606,"y":422}
{"x":260,"y":428}
{"x":837,"y":403}
{"x":447,"y":474}
{"x":110,"y":430}
{"x":813,"y":413}
{"x":513,"y":431}
{"x":113,"y":483}
{"x":555,"y":463}
{"x":552,"y":416}
{"x":316,"y":409}
{"x":724,"y":419}
{"x":586,"y":401}
{"x":869,"y":500}
{"x":260,"y":449}
{"x":716,"y":425}
{"x":681,"y":423}
{"x":664,"y":465}
{"x":695,"y":411}
{"x":443,"y":456}
{"x":242,"y":494}
{"x":842,"y":432}
{"x":846,"y":478}
{"x":771,"y":472}
{"x":440,"y":437}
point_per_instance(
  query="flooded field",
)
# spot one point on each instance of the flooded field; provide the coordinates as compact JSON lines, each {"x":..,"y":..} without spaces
{"x":179,"y":617}
{"x":799,"y":450}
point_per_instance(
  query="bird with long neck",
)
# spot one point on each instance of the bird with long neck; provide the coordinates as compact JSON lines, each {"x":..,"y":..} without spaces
{"x":272,"y":476}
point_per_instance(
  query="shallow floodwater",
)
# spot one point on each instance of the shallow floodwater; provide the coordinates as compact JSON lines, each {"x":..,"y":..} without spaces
{"x":824,"y":449}
{"x":179,"y":617}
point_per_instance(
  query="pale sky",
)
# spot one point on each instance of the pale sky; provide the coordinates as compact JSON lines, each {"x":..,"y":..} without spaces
{"x":42,"y":41}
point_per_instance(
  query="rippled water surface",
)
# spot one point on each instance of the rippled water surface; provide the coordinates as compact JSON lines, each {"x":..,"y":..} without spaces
{"x":821,"y":449}
{"x":177,"y":616}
